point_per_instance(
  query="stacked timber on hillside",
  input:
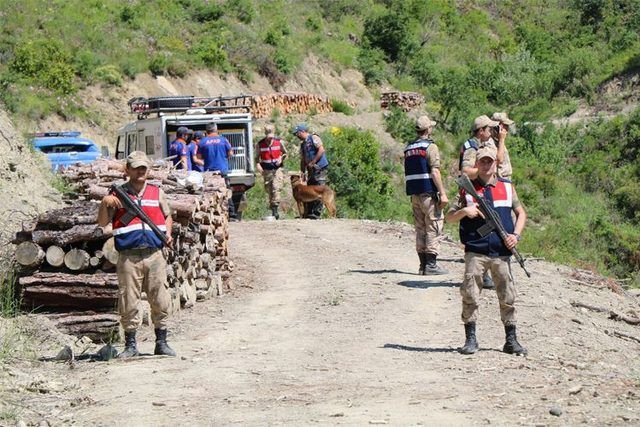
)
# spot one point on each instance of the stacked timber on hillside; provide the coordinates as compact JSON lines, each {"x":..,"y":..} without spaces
{"x":407,"y":101}
{"x":262,"y":106}
{"x":68,"y":261}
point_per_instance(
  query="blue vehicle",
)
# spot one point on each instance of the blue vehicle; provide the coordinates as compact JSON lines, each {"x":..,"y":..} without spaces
{"x":66,"y":148}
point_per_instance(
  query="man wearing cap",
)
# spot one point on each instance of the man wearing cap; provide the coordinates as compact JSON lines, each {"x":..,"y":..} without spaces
{"x":195,"y":162}
{"x":314,"y":161}
{"x":178,"y":149}
{"x":216,"y":151}
{"x":499,"y":134}
{"x":270,"y":156}
{"x":488,"y":252}
{"x":423,"y":183}
{"x":482,"y":129}
{"x":141,"y":264}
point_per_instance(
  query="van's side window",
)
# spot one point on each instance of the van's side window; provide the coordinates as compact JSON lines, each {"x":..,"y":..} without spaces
{"x":150,"y":144}
{"x":131,"y":143}
{"x":120,"y":148}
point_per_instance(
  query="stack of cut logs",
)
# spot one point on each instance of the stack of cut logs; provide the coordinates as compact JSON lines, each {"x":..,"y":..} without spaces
{"x":262,"y":106}
{"x":69,"y":261}
{"x":407,"y":101}
{"x":289,"y":103}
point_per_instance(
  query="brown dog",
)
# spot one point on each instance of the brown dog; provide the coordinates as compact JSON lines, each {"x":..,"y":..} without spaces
{"x":308,"y":193}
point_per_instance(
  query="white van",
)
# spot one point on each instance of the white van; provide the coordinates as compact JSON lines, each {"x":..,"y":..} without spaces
{"x":158,"y":118}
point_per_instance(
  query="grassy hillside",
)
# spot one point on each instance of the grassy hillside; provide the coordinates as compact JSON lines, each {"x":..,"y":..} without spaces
{"x":536,"y":59}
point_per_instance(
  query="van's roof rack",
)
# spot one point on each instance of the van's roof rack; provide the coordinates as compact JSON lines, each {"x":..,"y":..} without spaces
{"x":143,"y":106}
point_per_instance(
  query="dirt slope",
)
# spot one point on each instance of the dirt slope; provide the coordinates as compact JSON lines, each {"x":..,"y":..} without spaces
{"x":329,"y":324}
{"x":107,"y":106}
{"x":24,"y":186}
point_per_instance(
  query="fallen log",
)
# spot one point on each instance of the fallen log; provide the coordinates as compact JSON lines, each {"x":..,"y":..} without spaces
{"x":75,"y":234}
{"x":612,"y":314}
{"x":75,"y":291}
{"x":98,"y":326}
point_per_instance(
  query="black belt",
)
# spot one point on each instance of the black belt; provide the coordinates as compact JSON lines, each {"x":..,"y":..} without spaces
{"x":139,"y":251}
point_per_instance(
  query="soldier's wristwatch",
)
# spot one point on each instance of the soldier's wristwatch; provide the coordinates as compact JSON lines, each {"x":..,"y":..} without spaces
{"x":517,"y":236}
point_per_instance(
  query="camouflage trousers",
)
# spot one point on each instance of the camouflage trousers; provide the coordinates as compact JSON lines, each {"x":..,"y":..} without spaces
{"x":273,"y":180}
{"x":428,"y":221}
{"x":474,"y":267}
{"x":142,"y":270}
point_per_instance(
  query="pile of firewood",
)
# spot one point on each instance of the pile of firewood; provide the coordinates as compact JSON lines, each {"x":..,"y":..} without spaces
{"x":289,"y":103}
{"x":68,"y":261}
{"x":407,"y":101}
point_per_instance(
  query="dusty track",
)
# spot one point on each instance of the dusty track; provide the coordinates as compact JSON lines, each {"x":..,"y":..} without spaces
{"x":329,"y":323}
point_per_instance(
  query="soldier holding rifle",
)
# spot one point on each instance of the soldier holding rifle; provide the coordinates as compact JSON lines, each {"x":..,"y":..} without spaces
{"x":141,"y":264}
{"x":486,"y":249}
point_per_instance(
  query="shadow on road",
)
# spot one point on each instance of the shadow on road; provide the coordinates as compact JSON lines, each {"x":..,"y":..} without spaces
{"x":421,"y":349}
{"x":392,"y":271}
{"x":419,"y":284}
{"x":430,"y":349}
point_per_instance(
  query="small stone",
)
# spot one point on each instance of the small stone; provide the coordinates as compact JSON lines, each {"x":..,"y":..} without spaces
{"x":337,"y":414}
{"x":65,"y":354}
{"x":106,"y":353}
{"x":158,"y":404}
{"x":555,"y":411}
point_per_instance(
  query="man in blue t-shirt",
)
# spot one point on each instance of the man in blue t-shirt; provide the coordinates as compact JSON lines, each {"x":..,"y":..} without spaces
{"x":178,"y":148}
{"x":192,"y":152}
{"x":216,"y":151}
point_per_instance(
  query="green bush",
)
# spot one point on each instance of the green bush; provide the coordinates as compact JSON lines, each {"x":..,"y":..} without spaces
{"x":9,"y":301}
{"x":391,"y":33}
{"x":243,"y":9}
{"x":400,"y":125}
{"x":363,"y":189}
{"x":339,"y":106}
{"x":46,"y":63}
{"x":372,"y":65}
{"x":207,"y":12}
{"x":109,"y":74}
{"x":211,"y":52}
{"x":158,"y":64}
{"x":285,"y":60}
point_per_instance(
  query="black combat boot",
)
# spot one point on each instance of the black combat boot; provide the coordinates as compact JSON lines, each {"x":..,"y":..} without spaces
{"x":487,"y":281}
{"x":162,"y":348}
{"x":423,"y":263}
{"x":512,"y":346}
{"x":130,"y":349}
{"x":432,"y":267}
{"x":274,"y":212}
{"x":470,"y":344}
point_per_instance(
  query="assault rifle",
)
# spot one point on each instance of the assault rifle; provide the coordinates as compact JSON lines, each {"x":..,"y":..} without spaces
{"x":133,"y":211}
{"x":491,"y":218}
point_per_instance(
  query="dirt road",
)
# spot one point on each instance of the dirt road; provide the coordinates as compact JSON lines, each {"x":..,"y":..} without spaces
{"x":329,"y":324}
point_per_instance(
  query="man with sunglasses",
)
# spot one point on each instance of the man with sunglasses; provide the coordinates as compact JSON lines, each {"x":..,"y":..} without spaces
{"x":499,"y":134}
